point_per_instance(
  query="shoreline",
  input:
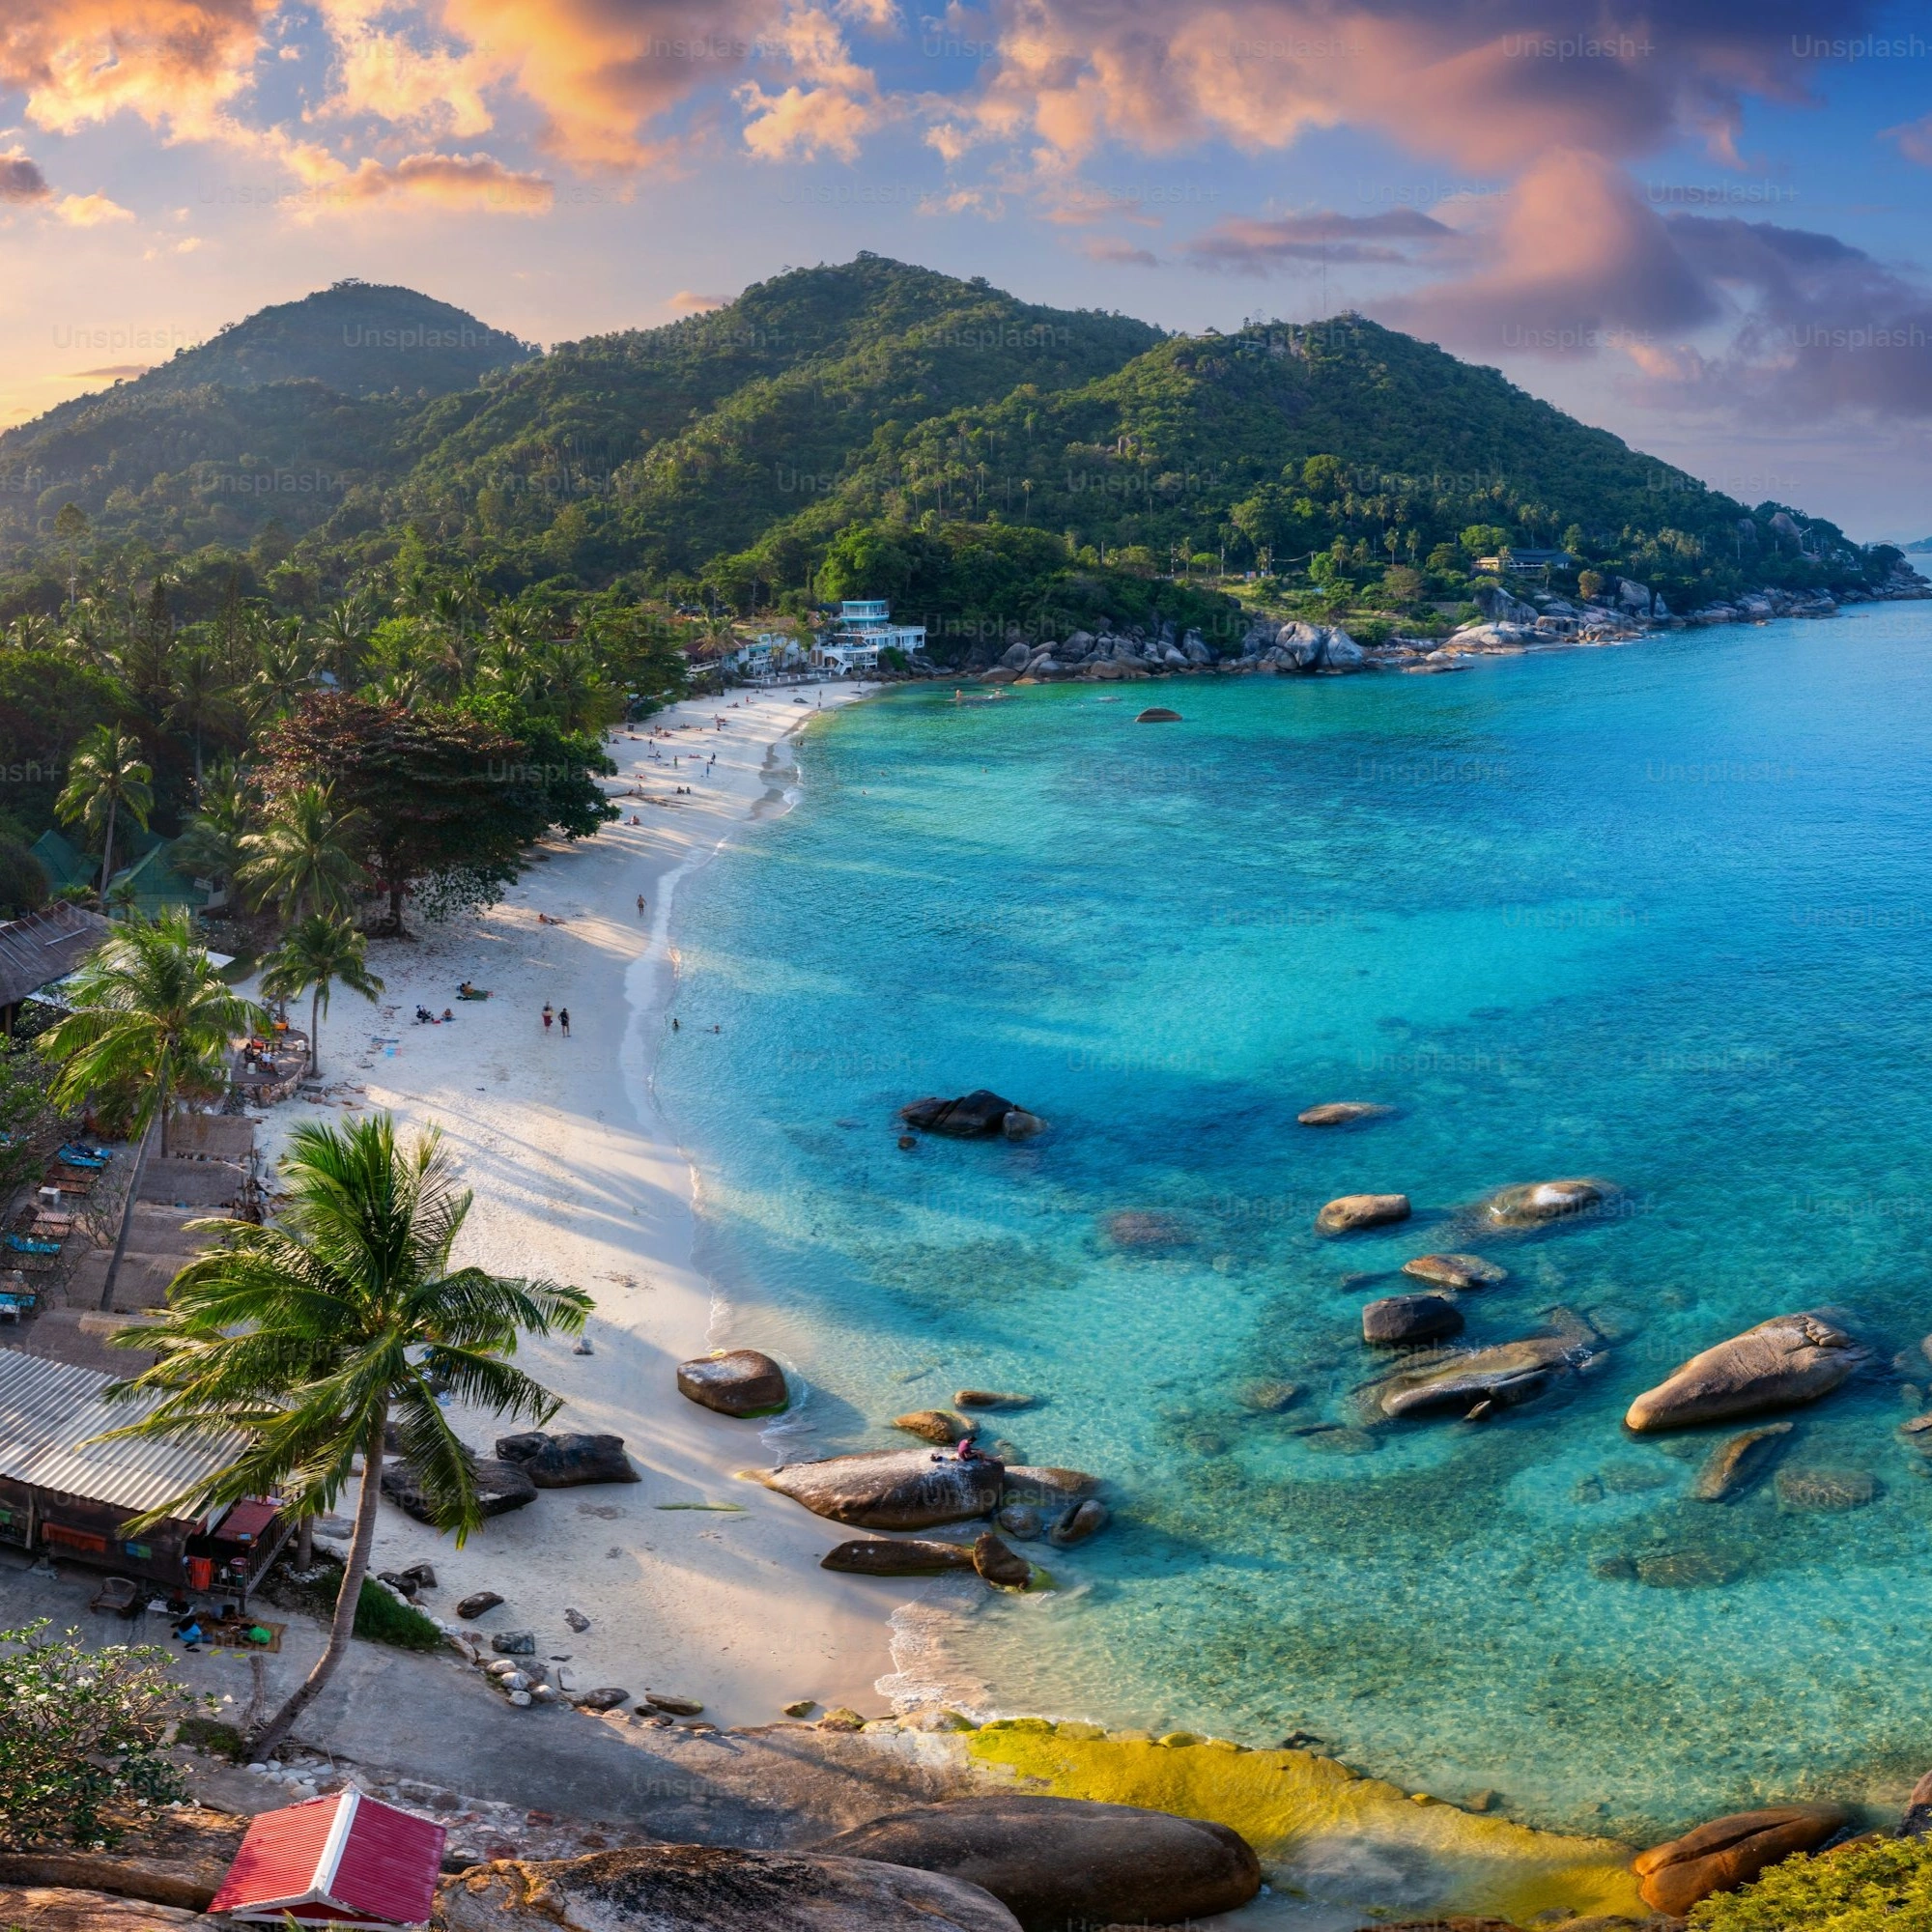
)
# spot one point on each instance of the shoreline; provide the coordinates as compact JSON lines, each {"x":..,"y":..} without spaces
{"x":580,"y":1176}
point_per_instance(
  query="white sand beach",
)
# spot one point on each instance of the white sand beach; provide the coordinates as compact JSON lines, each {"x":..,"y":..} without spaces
{"x":578,"y":1177}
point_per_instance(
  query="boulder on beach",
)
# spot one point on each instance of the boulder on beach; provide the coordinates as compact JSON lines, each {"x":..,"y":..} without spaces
{"x":892,"y":1489}
{"x":936,"y":1425}
{"x":1459,"y":1271}
{"x":476,"y":1602}
{"x":734,"y":1382}
{"x":1533,"y":1203}
{"x":1350,"y":1211}
{"x":1729,"y":1852}
{"x":1341,"y":1113}
{"x":1058,"y":1863}
{"x":606,"y":1698}
{"x":567,"y":1461}
{"x":1397,"y":1318}
{"x":1042,"y":1487}
{"x":1787,"y":1360}
{"x":500,"y":1486}
{"x":910,"y":1556}
{"x":1005,"y":1568}
{"x":1499,"y":1376}
{"x":1738,"y":1462}
{"x":973,"y":1115}
{"x":712,"y":1889}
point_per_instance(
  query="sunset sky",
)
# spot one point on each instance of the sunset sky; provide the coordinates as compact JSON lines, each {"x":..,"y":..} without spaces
{"x":1710,"y":231}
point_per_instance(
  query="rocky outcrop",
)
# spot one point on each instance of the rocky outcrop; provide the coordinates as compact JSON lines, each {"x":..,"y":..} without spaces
{"x":892,"y":1489}
{"x":1397,"y":1318}
{"x":734,"y":1382}
{"x":910,"y":1556}
{"x":179,"y":1862}
{"x":1303,"y":646}
{"x":1457,"y":1272}
{"x":1780,"y":1363}
{"x":567,"y":1461}
{"x":1061,"y":1863}
{"x":1350,"y":1212}
{"x":1535,"y":1202}
{"x":975,"y":1116}
{"x":69,"y":1909}
{"x":1341,"y":1112}
{"x":501,"y":1487}
{"x":1729,"y":1852}
{"x":707,"y":1888}
{"x":1738,"y":1462}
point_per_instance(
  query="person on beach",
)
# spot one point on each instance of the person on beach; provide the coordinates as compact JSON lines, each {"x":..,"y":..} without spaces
{"x":563,"y":1020}
{"x":641,"y":896}
{"x":547,"y":1016}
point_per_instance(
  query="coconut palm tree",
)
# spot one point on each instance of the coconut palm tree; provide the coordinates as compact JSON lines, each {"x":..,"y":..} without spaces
{"x":104,"y":779}
{"x":315,"y":954}
{"x":211,"y":847}
{"x":304,"y":858}
{"x":311,"y":1338}
{"x":202,"y":697}
{"x":150,"y":1015}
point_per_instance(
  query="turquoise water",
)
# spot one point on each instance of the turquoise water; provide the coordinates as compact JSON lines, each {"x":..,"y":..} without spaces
{"x":1660,"y":913}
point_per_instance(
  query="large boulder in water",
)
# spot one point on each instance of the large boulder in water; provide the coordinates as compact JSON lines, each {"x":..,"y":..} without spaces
{"x":1787,"y":1360}
{"x":1475,"y":1381}
{"x":975,"y":1116}
{"x":1042,"y":1487}
{"x":892,"y":1489}
{"x":1058,"y":1863}
{"x":1341,"y":1112}
{"x":712,"y":1889}
{"x":1397,"y":1318}
{"x":1533,"y":1203}
{"x":1729,"y":1852}
{"x":500,"y":1486}
{"x":1350,"y":1211}
{"x":734,"y":1382}
{"x":1454,"y":1270}
{"x":567,"y":1461}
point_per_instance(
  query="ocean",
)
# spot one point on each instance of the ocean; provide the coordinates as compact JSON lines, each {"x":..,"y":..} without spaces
{"x":1660,"y":914}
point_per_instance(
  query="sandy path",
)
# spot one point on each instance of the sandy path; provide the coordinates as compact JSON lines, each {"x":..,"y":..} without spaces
{"x":578,"y":1177}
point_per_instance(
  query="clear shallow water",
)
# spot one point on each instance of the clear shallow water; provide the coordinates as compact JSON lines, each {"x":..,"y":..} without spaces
{"x":1660,"y":913}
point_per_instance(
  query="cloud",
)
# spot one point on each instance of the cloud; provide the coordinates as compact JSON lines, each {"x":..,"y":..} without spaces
{"x":21,"y":178}
{"x":1101,"y":249}
{"x":831,"y":107}
{"x":1915,"y":140}
{"x":114,"y":371}
{"x":90,"y":210}
{"x":688,"y":302}
{"x":381,"y":73}
{"x":450,"y":180}
{"x":1247,"y":243}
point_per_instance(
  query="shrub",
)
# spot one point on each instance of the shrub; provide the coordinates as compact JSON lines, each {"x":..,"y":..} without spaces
{"x":381,"y":1618}
{"x":1872,"y":1885}
{"x":82,"y":1729}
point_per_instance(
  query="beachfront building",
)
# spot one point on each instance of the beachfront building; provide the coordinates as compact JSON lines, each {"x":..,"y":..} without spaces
{"x":769,"y":655}
{"x":63,"y":1494}
{"x":41,"y":947}
{"x":865,"y":629}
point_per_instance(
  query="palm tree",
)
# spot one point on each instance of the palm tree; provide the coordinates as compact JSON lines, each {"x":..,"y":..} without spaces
{"x":104,"y":779}
{"x":150,"y":1015}
{"x":201,"y":699}
{"x":309,"y":1337}
{"x":304,"y":858}
{"x":315,"y":954}
{"x":211,"y":847}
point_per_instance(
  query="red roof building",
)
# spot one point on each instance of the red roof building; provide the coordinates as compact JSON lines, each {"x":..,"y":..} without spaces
{"x":345,"y":1860}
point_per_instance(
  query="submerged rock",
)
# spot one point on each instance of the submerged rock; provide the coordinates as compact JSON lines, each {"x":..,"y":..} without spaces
{"x":1018,"y":1124}
{"x":1457,"y":1272}
{"x":936,"y":1425}
{"x":1143,"y":1227}
{"x":1350,"y":1211}
{"x":975,"y":1116}
{"x":1268,"y":1398}
{"x":1687,"y":1568}
{"x":1158,"y":714}
{"x":1341,"y":1113}
{"x":1737,"y":1463}
{"x":568,"y":1462}
{"x":712,"y":1889}
{"x":1064,"y":1862}
{"x":1397,"y":1318}
{"x":1729,"y":1852}
{"x":911,"y":1556}
{"x":734,"y":1382}
{"x":1533,"y":1203}
{"x":1501,"y":1376}
{"x":892,"y":1489}
{"x":990,"y":1399}
{"x":1825,"y":1489}
{"x":1078,"y":1524}
{"x":1787,"y":1360}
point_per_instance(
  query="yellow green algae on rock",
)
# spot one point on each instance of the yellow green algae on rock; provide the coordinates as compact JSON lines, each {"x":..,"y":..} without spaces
{"x":1320,"y":1830}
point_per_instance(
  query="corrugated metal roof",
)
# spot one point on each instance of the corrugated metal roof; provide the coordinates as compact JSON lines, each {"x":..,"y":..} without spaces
{"x":345,"y":1856}
{"x":46,"y":944}
{"x":49,"y":1413}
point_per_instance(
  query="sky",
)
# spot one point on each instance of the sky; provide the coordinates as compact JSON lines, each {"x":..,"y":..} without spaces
{"x":1708,"y":229}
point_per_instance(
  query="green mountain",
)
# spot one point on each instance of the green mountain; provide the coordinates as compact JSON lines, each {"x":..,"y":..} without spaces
{"x":870,"y":426}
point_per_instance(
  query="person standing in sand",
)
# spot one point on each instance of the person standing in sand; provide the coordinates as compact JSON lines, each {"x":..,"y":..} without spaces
{"x":563,"y":1020}
{"x":546,"y":1016}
